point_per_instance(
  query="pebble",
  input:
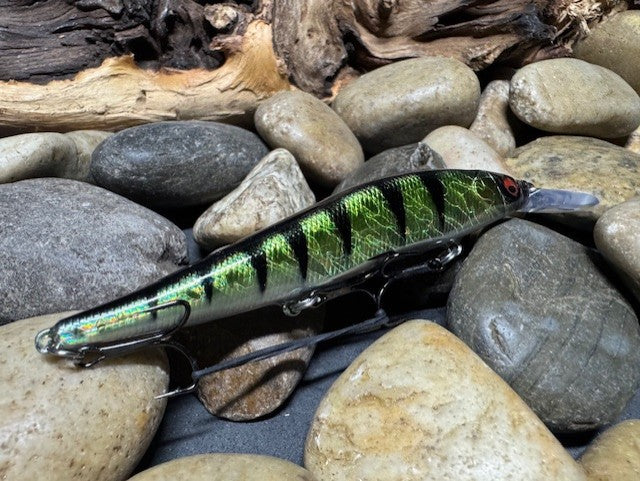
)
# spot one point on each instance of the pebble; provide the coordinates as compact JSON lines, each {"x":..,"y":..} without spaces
{"x":256,"y":389}
{"x":571,"y":96}
{"x":583,"y":164}
{"x":226,"y":467}
{"x":617,"y":237}
{"x":62,"y":422}
{"x":72,"y":245}
{"x":402,"y":102}
{"x":537,"y":307}
{"x":397,"y":160}
{"x":318,"y":138}
{"x":420,"y":405}
{"x":633,"y":142}
{"x":462,"y":149}
{"x":492,"y":122}
{"x":615,"y":454}
{"x":48,"y":154}
{"x":176,"y":164}
{"x":273,"y":190}
{"x":615,"y":44}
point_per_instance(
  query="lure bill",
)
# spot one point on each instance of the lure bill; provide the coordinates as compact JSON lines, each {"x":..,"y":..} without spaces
{"x":302,"y":260}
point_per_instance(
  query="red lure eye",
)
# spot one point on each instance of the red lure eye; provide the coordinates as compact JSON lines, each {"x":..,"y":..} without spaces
{"x":511,"y":186}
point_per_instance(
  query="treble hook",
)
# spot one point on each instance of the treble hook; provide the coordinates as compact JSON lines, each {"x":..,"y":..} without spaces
{"x":88,"y":356}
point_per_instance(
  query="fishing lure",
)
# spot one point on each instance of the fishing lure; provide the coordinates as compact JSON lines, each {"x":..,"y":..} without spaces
{"x":328,"y":250}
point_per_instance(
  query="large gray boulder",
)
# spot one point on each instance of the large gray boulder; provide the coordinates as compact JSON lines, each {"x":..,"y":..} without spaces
{"x":71,"y":245}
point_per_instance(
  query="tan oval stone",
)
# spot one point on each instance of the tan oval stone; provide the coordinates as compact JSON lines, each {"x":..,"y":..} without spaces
{"x":617,"y":236}
{"x":605,"y":170}
{"x":402,"y":102}
{"x":570,"y":96}
{"x":85,"y":142}
{"x":58,"y":421}
{"x":258,"y":388}
{"x":48,"y":154}
{"x":418,"y":404}
{"x":615,"y":44}
{"x":226,"y":467}
{"x":615,"y":454}
{"x":491,"y":123}
{"x":462,"y":149}
{"x":273,"y":190}
{"x":318,"y":138}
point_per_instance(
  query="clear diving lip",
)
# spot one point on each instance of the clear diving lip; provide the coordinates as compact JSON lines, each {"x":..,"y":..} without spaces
{"x":553,"y":200}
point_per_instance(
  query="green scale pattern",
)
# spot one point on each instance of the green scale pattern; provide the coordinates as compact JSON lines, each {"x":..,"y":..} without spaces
{"x":305,"y":251}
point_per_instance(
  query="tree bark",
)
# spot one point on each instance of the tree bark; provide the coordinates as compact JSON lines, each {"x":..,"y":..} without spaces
{"x":110,"y":64}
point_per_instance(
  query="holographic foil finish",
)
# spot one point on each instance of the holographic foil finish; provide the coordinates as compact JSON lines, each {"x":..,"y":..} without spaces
{"x":333,"y":238}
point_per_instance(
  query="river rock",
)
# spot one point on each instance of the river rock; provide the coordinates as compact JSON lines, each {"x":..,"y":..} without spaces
{"x":85,"y":142}
{"x":570,"y":96}
{"x":176,"y":164}
{"x":633,"y":142}
{"x":615,"y":44}
{"x":317,"y":137}
{"x":583,"y":164}
{"x":257,"y":388}
{"x":48,"y":154}
{"x":617,"y":236}
{"x":59,"y":421}
{"x":538,"y":309}
{"x":492,"y":122}
{"x":274,"y":189}
{"x":402,"y":102}
{"x":462,"y":149}
{"x":420,"y":405}
{"x":226,"y":467}
{"x":394,"y":161}
{"x":615,"y":454}
{"x":72,"y":245}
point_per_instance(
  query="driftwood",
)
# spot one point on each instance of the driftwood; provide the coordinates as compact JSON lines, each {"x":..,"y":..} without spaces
{"x":109,"y":64}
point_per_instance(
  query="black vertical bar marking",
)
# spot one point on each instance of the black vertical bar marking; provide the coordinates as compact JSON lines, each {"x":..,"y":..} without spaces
{"x":154,"y":313}
{"x":434,"y":186}
{"x":259,"y":263}
{"x":393,"y":196}
{"x":207,"y":283}
{"x":342,"y":221}
{"x":298,"y":242}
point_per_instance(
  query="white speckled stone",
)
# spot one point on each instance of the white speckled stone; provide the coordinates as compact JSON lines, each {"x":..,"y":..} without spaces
{"x":615,"y":454}
{"x":274,"y":189}
{"x":418,"y":404}
{"x":462,"y":149}
{"x":58,"y":421}
{"x":570,"y":96}
{"x":491,"y":123}
{"x":226,"y":467}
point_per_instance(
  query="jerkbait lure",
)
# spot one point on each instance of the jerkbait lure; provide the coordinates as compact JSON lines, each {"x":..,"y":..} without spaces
{"x":309,"y":257}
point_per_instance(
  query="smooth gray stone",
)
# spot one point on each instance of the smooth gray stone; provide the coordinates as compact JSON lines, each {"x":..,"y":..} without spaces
{"x":70,"y":245}
{"x":176,"y":164}
{"x":397,"y":160}
{"x":538,"y":309}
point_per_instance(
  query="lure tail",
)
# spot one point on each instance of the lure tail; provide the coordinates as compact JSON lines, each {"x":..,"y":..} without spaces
{"x":553,"y":200}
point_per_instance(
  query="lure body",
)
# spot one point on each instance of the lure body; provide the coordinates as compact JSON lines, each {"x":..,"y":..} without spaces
{"x":340,"y":237}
